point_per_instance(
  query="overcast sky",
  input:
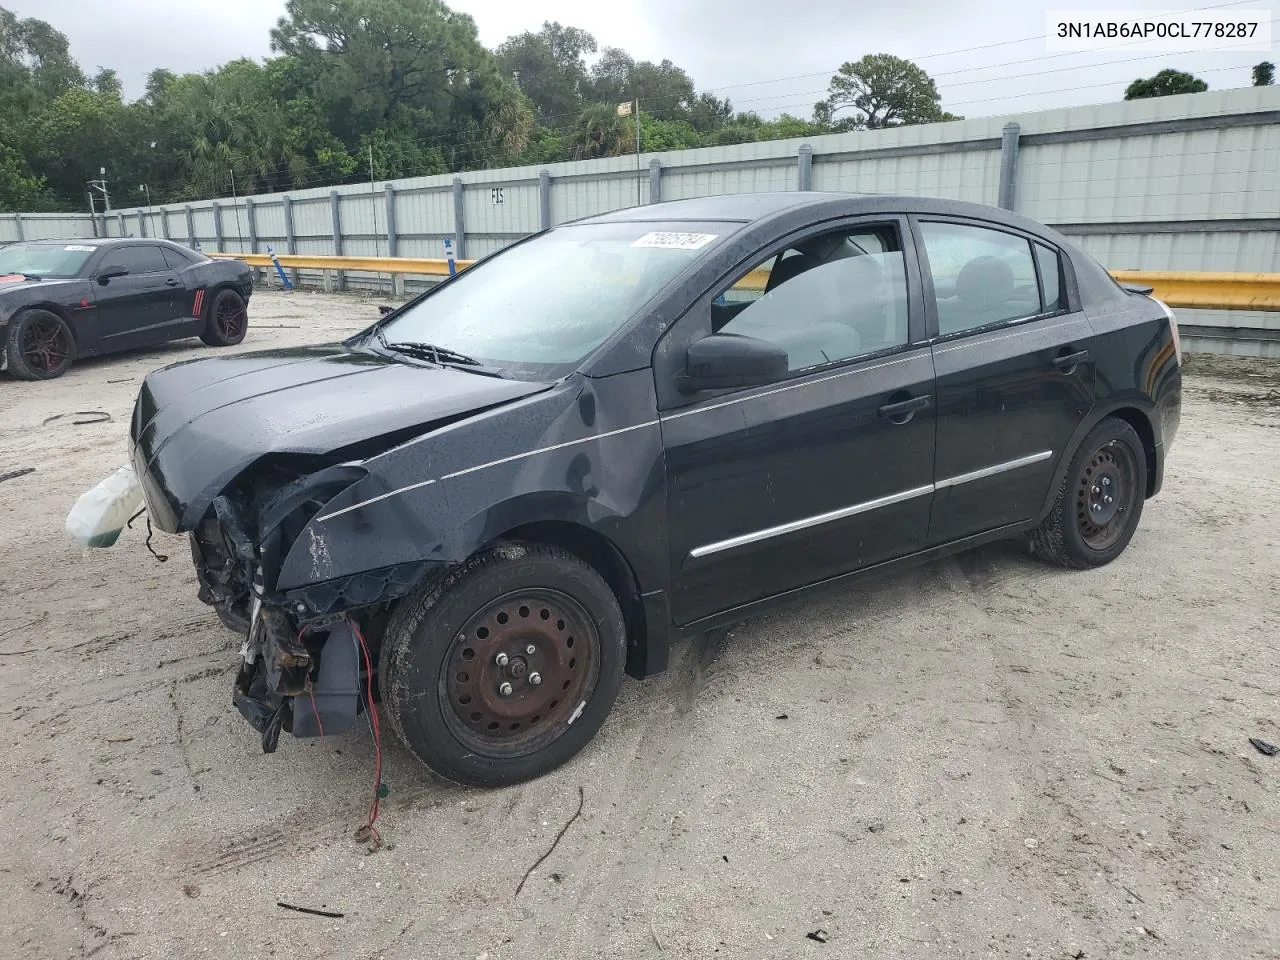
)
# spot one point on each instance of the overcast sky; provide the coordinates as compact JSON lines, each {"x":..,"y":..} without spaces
{"x":729,"y":46}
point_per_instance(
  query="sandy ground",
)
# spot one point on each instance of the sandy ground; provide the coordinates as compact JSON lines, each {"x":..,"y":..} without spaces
{"x":984,"y":757}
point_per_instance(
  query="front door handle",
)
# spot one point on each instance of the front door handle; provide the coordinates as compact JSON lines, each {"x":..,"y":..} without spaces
{"x":903,"y":410}
{"x":172,"y":282}
{"x":1068,"y":362}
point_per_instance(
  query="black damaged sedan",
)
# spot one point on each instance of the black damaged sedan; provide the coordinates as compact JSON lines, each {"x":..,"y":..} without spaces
{"x":641,"y":426}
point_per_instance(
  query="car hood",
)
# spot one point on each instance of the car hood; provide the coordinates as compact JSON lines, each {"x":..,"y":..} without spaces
{"x":199,"y":425}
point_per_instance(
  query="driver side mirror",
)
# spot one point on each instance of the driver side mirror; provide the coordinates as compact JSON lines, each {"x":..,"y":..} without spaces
{"x":105,"y":276}
{"x":728,"y":360}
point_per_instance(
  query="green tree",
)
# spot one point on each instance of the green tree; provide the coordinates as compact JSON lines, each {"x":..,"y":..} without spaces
{"x":599,"y":132}
{"x":550,"y":68}
{"x":1164,"y":84}
{"x":411,"y":65}
{"x":884,"y":91}
{"x":20,"y":190}
{"x":1264,"y":74}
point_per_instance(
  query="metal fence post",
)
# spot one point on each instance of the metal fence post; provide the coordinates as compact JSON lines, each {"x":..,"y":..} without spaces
{"x":393,"y":240}
{"x":164,"y":223}
{"x":804,"y":162}
{"x":334,"y":201}
{"x":459,"y":220}
{"x":1009,"y":165}
{"x":17,"y":223}
{"x":290,"y":241}
{"x":544,"y":199}
{"x":120,"y":224}
{"x":142,"y":224}
{"x":191,"y":226}
{"x":253,"y":224}
{"x":217,"y":225}
{"x":655,"y":180}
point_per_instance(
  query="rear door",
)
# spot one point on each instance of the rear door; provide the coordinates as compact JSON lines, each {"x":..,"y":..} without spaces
{"x":1015,"y":373}
{"x":139,"y":307}
{"x":776,"y":487}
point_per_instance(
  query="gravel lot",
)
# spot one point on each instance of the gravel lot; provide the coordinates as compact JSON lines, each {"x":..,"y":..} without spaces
{"x":983,"y":757}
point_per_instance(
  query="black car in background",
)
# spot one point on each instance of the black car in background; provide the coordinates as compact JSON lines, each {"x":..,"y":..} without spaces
{"x":62,"y":299}
{"x":641,"y":426}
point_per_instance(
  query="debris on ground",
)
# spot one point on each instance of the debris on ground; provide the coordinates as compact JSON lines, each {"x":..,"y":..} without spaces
{"x":555,"y":843}
{"x":12,"y":474}
{"x":309,"y":910}
{"x":1267,"y":749}
{"x":96,"y":416}
{"x":820,"y":935}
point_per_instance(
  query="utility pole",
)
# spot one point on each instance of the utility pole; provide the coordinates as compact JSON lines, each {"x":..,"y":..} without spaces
{"x":637,"y":151}
{"x":235,"y":205}
{"x":373,"y":204}
{"x":101,"y":184}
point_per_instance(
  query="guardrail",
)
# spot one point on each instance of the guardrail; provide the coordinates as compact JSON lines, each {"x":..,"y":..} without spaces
{"x":1199,"y":291}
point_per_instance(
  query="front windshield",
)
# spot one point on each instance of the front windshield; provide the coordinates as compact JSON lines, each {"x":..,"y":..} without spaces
{"x":54,"y":260}
{"x":539,"y":308}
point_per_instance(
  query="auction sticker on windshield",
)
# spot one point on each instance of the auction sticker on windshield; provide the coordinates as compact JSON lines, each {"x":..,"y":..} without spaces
{"x":675,"y":241}
{"x":79,"y":248}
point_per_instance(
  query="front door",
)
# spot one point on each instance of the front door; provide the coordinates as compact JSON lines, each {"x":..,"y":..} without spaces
{"x":1014,"y":372}
{"x":776,"y":487}
{"x":135,"y":309}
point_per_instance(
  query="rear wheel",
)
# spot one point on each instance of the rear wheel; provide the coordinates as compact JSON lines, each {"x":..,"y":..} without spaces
{"x":1100,"y":501}
{"x":503,"y":668}
{"x":40,"y":345}
{"x":226,"y":319}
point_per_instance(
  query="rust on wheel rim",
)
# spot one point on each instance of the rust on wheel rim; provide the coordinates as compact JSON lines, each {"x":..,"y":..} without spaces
{"x":230,"y":318}
{"x":1106,"y":495}
{"x":520,"y":672}
{"x":45,"y":345}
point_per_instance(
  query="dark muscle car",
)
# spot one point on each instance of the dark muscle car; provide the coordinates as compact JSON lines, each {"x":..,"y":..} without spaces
{"x":62,"y":299}
{"x":641,"y":426}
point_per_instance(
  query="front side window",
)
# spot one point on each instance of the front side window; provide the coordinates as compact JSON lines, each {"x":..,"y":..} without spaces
{"x":828,"y":298}
{"x":538,"y":309}
{"x":44,"y":260}
{"x":980,"y":276}
{"x":135,"y":259}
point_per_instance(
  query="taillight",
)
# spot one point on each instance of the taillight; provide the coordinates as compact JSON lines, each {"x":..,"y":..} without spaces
{"x":1173,"y":329}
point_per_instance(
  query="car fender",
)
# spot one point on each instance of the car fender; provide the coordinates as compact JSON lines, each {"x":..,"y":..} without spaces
{"x":557,"y":456}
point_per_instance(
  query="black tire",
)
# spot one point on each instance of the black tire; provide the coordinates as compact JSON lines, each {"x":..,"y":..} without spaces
{"x":442,"y":682}
{"x":39,"y":345}
{"x":226,"y":319}
{"x":1085,"y":528}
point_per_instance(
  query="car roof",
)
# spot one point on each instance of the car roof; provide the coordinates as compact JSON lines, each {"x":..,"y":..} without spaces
{"x":753,"y":207}
{"x":99,"y":241}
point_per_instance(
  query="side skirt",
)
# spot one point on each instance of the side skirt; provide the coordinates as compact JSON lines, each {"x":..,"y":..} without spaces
{"x":736,"y":614}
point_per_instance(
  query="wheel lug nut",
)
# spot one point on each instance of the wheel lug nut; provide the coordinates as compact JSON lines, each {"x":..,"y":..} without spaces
{"x":505,"y":689}
{"x":1096,"y":488}
{"x":1097,"y":508}
{"x":500,"y":659}
{"x":1106,"y":481}
{"x":1106,"y":499}
{"x":531,"y":649}
{"x":535,"y":678}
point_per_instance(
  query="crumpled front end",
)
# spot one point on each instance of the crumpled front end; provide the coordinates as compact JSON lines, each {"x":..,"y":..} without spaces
{"x":303,"y":668}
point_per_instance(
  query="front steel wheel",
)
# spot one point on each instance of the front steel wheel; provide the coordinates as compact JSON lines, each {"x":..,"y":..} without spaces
{"x":518,"y":671}
{"x":1100,"y":500}
{"x":502,"y":668}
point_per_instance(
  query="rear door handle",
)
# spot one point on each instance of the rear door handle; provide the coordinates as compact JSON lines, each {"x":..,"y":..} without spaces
{"x":904,"y":410}
{"x":172,"y":282}
{"x":1071,"y":360}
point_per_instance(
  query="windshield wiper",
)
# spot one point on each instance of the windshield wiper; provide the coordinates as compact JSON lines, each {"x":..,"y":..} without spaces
{"x":31,"y":276}
{"x":431,"y":352}
{"x":440,"y":355}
